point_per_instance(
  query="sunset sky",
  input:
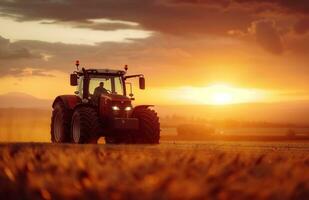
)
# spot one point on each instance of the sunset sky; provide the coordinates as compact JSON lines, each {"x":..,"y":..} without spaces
{"x":191,"y":51}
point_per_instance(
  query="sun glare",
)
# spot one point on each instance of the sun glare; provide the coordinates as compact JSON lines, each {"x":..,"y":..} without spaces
{"x":217,"y":94}
{"x":221,"y":98}
{"x":220,"y":94}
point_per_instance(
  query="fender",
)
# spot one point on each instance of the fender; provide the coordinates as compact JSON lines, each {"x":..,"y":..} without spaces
{"x":143,"y":106}
{"x":84,"y":105}
{"x":70,"y":101}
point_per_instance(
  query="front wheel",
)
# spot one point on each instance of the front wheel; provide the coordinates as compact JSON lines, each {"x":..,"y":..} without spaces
{"x":149,"y":126}
{"x":85,"y":127}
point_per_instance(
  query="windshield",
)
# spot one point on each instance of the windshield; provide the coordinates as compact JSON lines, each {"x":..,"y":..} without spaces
{"x":113,"y":84}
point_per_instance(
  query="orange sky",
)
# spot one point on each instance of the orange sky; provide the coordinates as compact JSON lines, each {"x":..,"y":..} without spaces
{"x":196,"y":52}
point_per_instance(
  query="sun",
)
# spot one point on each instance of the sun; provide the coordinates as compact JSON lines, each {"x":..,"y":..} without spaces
{"x":220,"y":94}
{"x":216,"y":94}
{"x":220,"y":98}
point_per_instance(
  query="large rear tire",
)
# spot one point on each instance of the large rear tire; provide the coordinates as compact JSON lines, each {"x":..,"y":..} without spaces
{"x":85,"y":127}
{"x":149,"y":126}
{"x":60,"y":124}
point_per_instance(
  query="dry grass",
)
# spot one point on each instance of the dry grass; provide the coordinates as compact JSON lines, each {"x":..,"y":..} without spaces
{"x":168,"y":171}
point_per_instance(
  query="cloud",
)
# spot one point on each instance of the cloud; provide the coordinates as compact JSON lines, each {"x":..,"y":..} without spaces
{"x":221,"y":3}
{"x":301,"y":6}
{"x":23,"y":72}
{"x":106,"y":25}
{"x":267,"y":36}
{"x":13,"y":52}
{"x":191,"y":18}
{"x":8,"y":51}
{"x":289,"y":6}
{"x":299,"y":45}
{"x":302,"y":26}
{"x":190,"y":37}
{"x":164,"y":16}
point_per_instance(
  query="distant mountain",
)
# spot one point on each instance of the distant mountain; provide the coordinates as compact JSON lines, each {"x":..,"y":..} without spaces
{"x":22,"y":100}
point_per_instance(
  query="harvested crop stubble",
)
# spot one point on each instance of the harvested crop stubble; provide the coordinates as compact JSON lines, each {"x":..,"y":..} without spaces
{"x":168,"y":171}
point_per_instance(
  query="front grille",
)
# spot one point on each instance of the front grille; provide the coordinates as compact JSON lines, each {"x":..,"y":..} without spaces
{"x":121,"y":113}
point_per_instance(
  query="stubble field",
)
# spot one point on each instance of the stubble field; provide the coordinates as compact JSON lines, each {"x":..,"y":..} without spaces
{"x":213,"y":170}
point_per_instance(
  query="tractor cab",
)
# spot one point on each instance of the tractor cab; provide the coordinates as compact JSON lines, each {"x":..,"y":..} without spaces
{"x":89,"y":80}
{"x":113,"y":81}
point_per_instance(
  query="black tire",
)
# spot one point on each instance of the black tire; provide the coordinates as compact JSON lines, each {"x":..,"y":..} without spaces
{"x":60,"y":123}
{"x":85,"y":127}
{"x":149,"y":126}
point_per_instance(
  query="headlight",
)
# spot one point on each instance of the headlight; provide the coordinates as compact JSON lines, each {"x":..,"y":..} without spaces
{"x":129,"y":108}
{"x":115,"y":108}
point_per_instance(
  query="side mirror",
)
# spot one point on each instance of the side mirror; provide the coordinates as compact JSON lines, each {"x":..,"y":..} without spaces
{"x":73,"y":80}
{"x":141,"y":83}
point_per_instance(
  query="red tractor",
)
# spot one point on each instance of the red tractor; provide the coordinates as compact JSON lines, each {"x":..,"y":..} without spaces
{"x":88,"y":115}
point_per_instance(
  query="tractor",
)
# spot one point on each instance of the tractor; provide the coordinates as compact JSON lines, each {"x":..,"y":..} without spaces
{"x":85,"y":116}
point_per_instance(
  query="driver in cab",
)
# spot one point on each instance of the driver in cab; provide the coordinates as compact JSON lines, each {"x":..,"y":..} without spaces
{"x":99,"y":90}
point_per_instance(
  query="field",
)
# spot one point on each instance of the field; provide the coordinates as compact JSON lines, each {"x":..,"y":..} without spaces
{"x":33,"y":125}
{"x":181,"y":170}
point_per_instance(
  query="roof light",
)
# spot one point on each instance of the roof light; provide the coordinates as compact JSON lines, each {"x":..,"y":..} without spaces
{"x":77,"y":64}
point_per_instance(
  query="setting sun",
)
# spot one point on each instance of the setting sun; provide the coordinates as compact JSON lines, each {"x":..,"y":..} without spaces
{"x":216,"y":94}
{"x":221,"y":98}
{"x":221,"y":94}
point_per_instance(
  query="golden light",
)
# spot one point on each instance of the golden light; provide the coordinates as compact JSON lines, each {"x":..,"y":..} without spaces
{"x":221,"y":98}
{"x":215,"y":94}
{"x":220,"y":94}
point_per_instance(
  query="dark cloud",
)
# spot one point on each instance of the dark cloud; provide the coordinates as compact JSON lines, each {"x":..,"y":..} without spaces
{"x":301,"y":6}
{"x":8,"y":51}
{"x":222,"y":3}
{"x":191,"y":18}
{"x":267,"y":35}
{"x":159,"y":15}
{"x":302,"y":26}
{"x":300,"y":46}
{"x":105,"y":26}
{"x":290,"y":6}
{"x":168,"y":61}
{"x":158,"y":57}
{"x":165,"y":16}
{"x":191,"y":36}
{"x":13,"y":52}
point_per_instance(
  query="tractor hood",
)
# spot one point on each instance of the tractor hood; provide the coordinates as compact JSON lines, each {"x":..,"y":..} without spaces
{"x":113,"y":105}
{"x":115,"y":97}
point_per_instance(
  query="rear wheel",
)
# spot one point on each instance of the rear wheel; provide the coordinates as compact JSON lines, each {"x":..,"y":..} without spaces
{"x":85,"y":127}
{"x":60,"y":124}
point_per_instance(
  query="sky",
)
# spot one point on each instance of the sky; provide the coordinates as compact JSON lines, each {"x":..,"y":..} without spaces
{"x":191,"y":51}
